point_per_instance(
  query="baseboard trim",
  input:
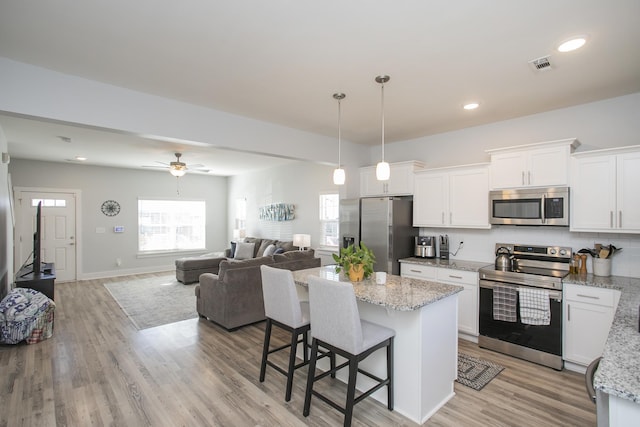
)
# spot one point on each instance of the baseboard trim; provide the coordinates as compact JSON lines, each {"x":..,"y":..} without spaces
{"x":126,"y":272}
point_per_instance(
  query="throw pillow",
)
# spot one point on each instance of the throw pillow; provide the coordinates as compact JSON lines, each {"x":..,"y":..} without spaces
{"x":269,"y":251}
{"x":233,"y":250}
{"x":278,"y":251}
{"x":244,"y":250}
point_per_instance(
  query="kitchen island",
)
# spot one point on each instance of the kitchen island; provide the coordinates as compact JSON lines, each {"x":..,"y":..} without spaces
{"x":617,"y":379}
{"x":424,"y":315}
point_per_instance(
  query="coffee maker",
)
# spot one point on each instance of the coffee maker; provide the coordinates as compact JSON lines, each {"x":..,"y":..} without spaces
{"x":425,"y":246}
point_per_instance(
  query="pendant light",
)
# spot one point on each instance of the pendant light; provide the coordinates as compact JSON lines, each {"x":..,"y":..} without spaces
{"x":338,"y":173}
{"x":382,"y":169}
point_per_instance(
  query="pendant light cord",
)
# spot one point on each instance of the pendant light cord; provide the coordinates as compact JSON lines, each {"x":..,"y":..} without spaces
{"x":382,"y":117}
{"x":339,"y":133}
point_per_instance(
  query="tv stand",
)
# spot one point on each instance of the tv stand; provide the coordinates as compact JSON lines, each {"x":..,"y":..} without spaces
{"x":43,"y":282}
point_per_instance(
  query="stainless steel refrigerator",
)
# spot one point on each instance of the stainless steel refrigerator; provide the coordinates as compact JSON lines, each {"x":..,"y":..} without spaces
{"x":385,"y":226}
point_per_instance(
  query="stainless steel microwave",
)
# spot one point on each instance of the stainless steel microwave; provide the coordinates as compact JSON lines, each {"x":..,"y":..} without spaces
{"x":531,"y":206}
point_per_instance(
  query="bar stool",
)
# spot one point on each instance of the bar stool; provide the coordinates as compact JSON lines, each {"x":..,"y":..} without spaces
{"x":283,"y":309}
{"x":337,"y":327}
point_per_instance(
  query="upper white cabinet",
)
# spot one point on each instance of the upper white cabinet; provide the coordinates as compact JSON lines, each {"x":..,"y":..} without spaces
{"x":400,"y":182}
{"x":604,"y":194}
{"x":534,"y":165}
{"x":452,"y":197}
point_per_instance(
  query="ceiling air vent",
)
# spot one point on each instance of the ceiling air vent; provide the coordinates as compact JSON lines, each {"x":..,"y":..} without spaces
{"x":540,"y":64}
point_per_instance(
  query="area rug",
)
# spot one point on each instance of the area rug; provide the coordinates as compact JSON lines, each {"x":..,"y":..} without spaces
{"x":154,"y":301}
{"x":476,"y":373}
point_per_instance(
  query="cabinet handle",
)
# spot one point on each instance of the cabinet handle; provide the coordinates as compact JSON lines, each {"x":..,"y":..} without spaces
{"x":568,"y":312}
{"x":442,"y":217}
{"x":611,"y":219}
{"x":522,"y":177}
{"x":619,"y":219}
{"x":587,"y":296}
{"x":415,"y":271}
{"x":529,"y":177}
{"x":450,"y":216}
{"x":455,"y":277}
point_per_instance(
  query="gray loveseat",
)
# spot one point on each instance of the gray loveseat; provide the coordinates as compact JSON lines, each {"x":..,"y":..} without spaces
{"x":233,"y":297}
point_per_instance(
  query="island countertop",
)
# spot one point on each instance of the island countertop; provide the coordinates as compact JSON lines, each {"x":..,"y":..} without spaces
{"x":617,"y":374}
{"x":398,"y":293}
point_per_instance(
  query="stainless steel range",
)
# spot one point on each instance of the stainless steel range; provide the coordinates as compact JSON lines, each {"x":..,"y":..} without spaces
{"x":521,"y":306}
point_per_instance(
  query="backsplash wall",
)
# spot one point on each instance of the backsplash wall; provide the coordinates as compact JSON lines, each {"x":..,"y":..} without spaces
{"x":479,"y":245}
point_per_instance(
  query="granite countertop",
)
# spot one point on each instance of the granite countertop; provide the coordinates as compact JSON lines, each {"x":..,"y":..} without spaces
{"x":454,"y":264}
{"x":398,"y":293}
{"x":619,"y":370}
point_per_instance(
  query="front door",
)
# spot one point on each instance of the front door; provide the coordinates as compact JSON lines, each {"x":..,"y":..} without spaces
{"x":58,"y":242}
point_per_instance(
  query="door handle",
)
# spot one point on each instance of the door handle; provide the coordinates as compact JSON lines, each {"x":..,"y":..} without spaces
{"x":619,"y":219}
{"x":71,"y":244}
{"x":610,"y":219}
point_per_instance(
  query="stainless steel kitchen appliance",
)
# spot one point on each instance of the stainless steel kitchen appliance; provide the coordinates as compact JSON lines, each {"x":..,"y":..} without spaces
{"x":444,"y":247}
{"x":349,"y":217}
{"x":386,"y":227}
{"x":538,"y":268}
{"x":535,"y":206}
{"x":425,"y":247}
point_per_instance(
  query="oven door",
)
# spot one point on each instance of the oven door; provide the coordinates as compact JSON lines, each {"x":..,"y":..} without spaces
{"x":520,"y":339}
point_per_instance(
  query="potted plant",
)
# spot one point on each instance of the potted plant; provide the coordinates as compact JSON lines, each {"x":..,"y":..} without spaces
{"x":356,"y":261}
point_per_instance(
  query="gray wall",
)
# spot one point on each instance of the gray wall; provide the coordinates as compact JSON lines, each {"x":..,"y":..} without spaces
{"x":299,"y":184}
{"x":98,"y":252}
{"x":6,"y":226}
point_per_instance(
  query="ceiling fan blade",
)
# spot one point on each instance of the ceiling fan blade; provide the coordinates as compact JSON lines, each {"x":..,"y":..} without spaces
{"x":195,"y":166}
{"x":163,"y":163}
{"x":155,"y":167}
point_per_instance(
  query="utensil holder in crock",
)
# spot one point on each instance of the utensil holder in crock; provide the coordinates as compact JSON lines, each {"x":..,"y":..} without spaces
{"x":602,"y":267}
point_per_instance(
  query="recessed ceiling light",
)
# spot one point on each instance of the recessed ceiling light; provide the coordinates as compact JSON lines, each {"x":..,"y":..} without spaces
{"x":471,"y":106}
{"x":81,"y":159}
{"x":572,"y":44}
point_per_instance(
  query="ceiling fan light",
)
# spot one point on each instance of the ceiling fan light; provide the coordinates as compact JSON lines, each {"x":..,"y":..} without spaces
{"x":383,"y":172}
{"x":338,"y":176}
{"x":177,"y":172}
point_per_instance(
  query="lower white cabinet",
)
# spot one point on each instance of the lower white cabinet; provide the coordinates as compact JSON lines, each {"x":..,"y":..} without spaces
{"x":467,"y":299}
{"x":588,"y":314}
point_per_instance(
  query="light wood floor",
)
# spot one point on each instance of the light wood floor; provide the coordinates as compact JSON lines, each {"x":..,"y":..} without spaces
{"x":99,"y":370}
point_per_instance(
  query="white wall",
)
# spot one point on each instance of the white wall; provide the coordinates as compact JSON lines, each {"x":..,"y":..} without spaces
{"x":6,"y":225}
{"x":299,"y":184}
{"x":43,"y":93}
{"x":99,"y":251}
{"x":604,"y":124}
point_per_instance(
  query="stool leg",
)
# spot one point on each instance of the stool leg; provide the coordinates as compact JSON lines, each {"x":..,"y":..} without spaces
{"x":292,"y":362}
{"x":351,"y":390}
{"x":265,"y":349}
{"x":305,"y":346}
{"x":310,"y":377}
{"x":390,"y":375}
{"x":332,"y":364}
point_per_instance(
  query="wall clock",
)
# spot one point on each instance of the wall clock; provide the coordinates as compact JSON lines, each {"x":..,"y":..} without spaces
{"x":110,"y":208}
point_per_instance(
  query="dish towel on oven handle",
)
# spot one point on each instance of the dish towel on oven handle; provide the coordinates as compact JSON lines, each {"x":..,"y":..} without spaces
{"x":504,"y":303}
{"x":534,"y":306}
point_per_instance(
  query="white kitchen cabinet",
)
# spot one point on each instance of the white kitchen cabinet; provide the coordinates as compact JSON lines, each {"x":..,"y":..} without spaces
{"x":534,"y":165}
{"x":452,"y":197}
{"x":400,"y":182}
{"x":417,"y":271}
{"x":588,"y":314}
{"x":604,"y":191}
{"x":467,"y":299}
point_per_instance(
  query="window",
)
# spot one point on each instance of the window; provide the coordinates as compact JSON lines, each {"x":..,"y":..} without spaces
{"x":329,"y":219}
{"x":171,"y":225}
{"x":49,"y":203}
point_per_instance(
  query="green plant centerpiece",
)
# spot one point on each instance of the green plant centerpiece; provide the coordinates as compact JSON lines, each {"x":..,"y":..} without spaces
{"x":356,"y":261}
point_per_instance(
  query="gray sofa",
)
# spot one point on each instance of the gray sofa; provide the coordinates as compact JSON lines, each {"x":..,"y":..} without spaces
{"x":189,"y":269}
{"x":233,"y":297}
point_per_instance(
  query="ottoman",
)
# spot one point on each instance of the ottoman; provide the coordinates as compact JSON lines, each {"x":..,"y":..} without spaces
{"x":26,"y":315}
{"x":188,"y":270}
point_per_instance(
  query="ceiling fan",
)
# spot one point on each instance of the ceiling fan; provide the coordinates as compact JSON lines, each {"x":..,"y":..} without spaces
{"x":178,"y":168}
